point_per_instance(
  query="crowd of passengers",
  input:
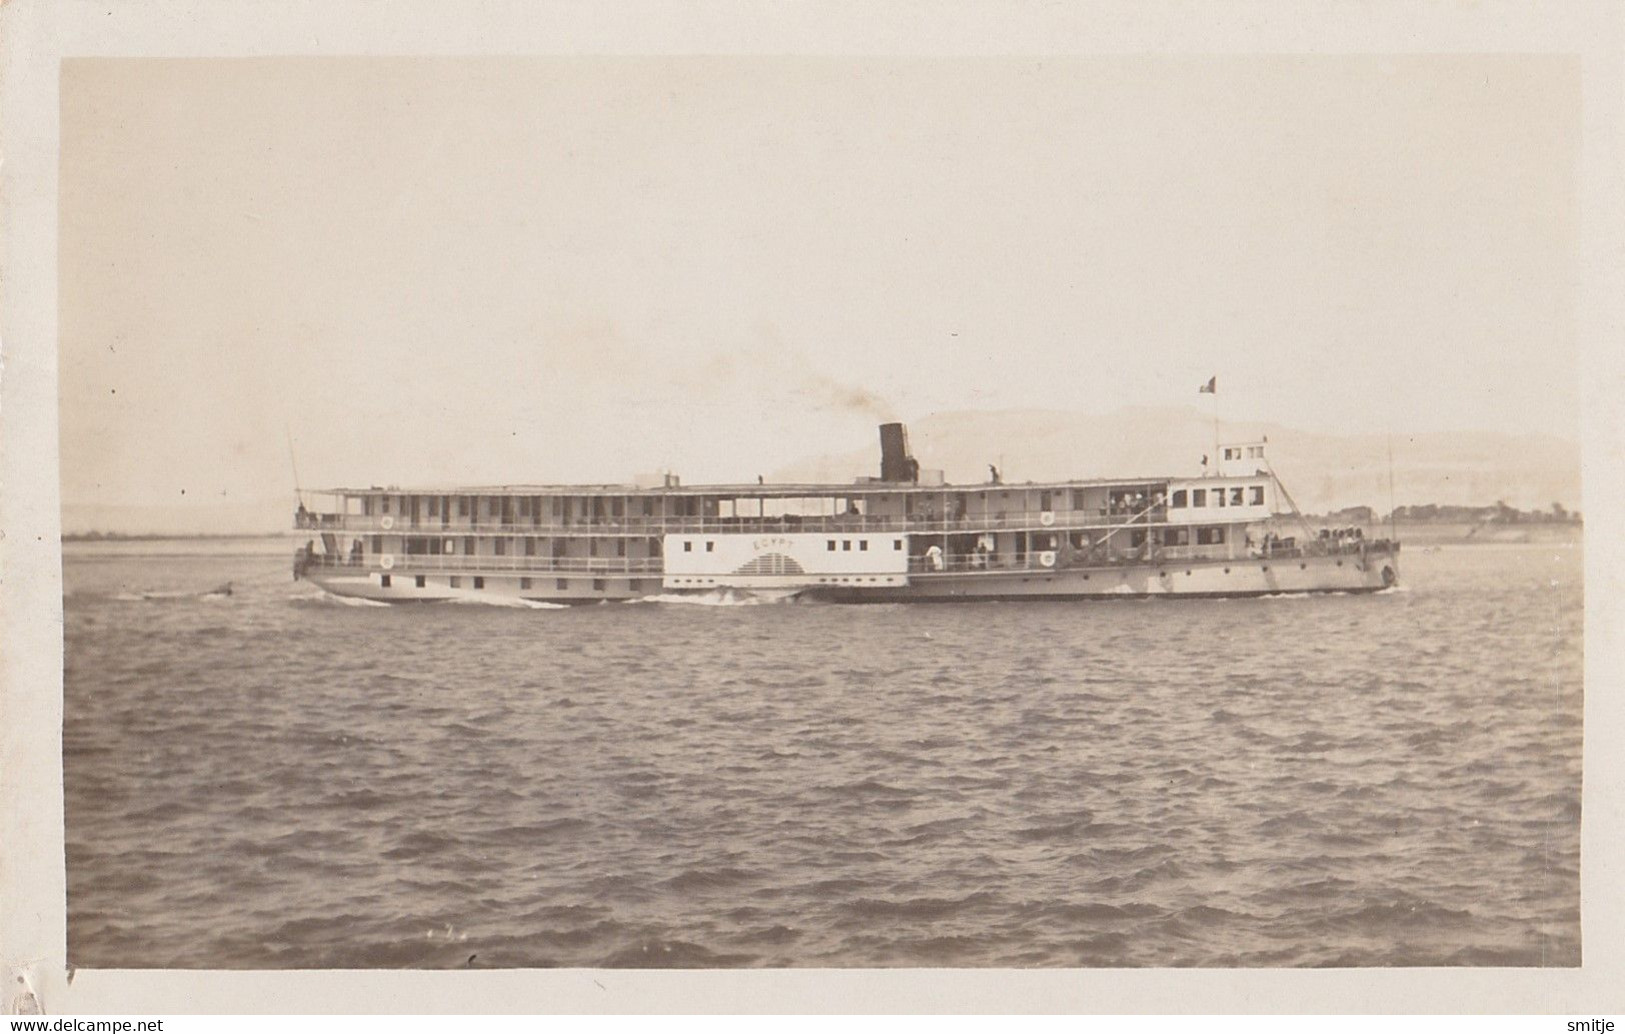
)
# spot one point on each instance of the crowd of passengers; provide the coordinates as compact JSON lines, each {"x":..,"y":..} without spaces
{"x":1078,"y":550}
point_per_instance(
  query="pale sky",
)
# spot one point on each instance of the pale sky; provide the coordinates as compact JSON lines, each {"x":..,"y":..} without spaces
{"x":488,"y":270}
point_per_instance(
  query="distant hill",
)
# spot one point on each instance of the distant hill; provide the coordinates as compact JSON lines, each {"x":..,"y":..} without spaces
{"x":1322,"y":471}
{"x":202,"y":516}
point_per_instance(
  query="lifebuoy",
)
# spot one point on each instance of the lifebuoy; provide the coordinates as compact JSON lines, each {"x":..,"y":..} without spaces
{"x":386,"y":561}
{"x":1047,"y":559}
{"x":387,"y":522}
{"x":1046,"y":518}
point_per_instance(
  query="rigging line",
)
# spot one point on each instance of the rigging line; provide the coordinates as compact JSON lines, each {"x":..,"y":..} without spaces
{"x":1308,"y":531}
{"x":1393,"y":509}
{"x":294,"y":462}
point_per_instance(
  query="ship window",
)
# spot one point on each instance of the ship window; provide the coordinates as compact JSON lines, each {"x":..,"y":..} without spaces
{"x":462,"y":506}
{"x":561,"y":584}
{"x":620,"y":547}
{"x":597,"y":585}
{"x":454,"y":582}
{"x":530,"y":547}
{"x":648,"y":507}
{"x":383,"y":504}
{"x":710,"y":547}
{"x":1235,"y":496}
{"x":592,"y":547}
{"x":377,"y":543}
{"x":831,"y":544}
{"x":863,"y":545}
{"x":1198,"y":497}
{"x":1179,"y":499}
{"x":688,"y":547}
{"x":1213,"y":536}
{"x":617,"y":508}
{"x":479,"y":583}
{"x":1218,"y":497}
{"x":846,"y":545}
{"x":421,"y":581}
{"x":383,"y":580}
{"x":1258,"y":495}
{"x":1136,"y":539}
{"x":896,"y":543}
{"x":524,"y":583}
{"x":434,"y":506}
{"x":501,"y":547}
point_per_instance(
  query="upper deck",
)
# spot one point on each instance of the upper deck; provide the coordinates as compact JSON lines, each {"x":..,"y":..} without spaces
{"x":903,"y":499}
{"x":872,"y":506}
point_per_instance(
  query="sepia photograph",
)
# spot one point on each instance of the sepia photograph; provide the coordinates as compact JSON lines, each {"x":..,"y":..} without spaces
{"x":925,"y":509}
{"x":718,"y":512}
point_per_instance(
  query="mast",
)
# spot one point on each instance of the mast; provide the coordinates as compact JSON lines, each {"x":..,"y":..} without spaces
{"x":293,"y":460}
{"x":1212,"y":388}
{"x":1393,"y":511}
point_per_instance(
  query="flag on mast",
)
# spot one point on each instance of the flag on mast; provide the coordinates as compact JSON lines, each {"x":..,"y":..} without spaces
{"x":1211,"y":387}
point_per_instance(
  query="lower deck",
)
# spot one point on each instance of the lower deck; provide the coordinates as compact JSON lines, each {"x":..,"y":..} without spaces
{"x":1367,"y":568}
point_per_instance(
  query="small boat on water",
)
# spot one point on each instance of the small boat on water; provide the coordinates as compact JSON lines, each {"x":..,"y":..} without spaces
{"x":904,"y":536}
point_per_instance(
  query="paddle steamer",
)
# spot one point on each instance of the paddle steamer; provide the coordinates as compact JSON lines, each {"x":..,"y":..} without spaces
{"x":905,"y":536}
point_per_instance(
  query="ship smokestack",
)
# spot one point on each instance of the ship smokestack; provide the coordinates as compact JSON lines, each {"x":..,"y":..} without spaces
{"x":895,"y":462}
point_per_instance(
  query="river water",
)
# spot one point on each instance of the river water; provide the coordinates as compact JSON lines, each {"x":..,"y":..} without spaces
{"x":277,"y":779}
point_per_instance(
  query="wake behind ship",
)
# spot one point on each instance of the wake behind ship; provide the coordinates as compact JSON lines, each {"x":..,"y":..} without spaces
{"x":906,"y":536}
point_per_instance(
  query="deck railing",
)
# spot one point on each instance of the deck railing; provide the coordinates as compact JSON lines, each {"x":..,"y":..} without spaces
{"x":419,"y":563}
{"x":1067,"y":560}
{"x":1040,"y":561}
{"x":1029,"y":520}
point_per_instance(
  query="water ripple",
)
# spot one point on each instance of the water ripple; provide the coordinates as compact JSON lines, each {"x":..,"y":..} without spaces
{"x":270,"y":779}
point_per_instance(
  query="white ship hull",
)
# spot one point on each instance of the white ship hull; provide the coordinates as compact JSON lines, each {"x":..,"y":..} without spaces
{"x":905,"y":537}
{"x":1194,"y":579}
